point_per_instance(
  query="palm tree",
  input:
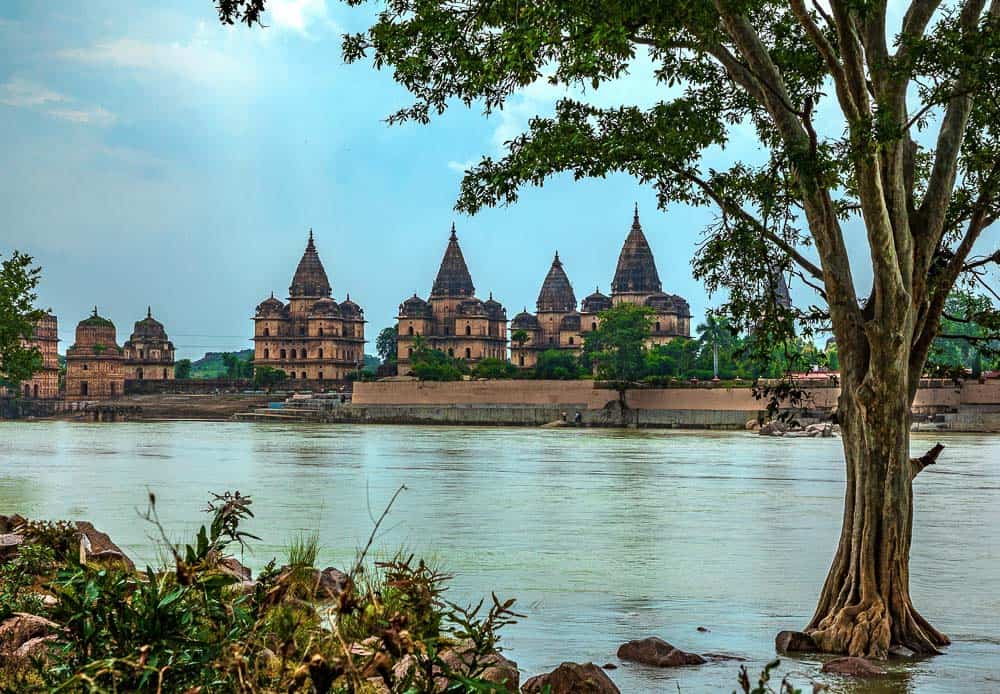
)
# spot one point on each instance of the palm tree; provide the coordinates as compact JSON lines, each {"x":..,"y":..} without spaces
{"x":714,"y":332}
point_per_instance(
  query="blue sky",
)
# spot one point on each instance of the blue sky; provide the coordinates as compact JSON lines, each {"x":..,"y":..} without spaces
{"x":153,"y":157}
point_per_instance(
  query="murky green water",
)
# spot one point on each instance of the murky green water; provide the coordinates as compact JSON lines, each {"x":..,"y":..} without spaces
{"x":603,"y":536}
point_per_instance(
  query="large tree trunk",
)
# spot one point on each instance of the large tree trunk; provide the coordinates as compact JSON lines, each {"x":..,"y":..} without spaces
{"x":865,"y":608}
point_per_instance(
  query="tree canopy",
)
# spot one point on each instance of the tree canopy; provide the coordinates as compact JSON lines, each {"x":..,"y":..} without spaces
{"x":18,"y":316}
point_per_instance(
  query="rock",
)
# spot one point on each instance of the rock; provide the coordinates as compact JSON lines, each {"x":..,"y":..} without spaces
{"x":657,"y":652}
{"x":331,"y":583}
{"x":231,"y":566}
{"x":22,"y":627}
{"x":9,"y":543}
{"x":9,"y":524}
{"x":704,"y":629}
{"x":855,"y":667}
{"x":773,"y":428}
{"x":800,"y":434}
{"x":97,"y":547}
{"x":609,"y":666}
{"x":794,"y":642}
{"x":572,"y":678}
{"x":34,"y":648}
{"x":498,"y":669}
{"x":752,"y":425}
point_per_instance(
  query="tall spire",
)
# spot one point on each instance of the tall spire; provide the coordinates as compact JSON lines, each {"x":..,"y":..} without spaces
{"x":636,"y":272}
{"x":557,"y":292}
{"x":310,"y":280}
{"x":453,"y":278}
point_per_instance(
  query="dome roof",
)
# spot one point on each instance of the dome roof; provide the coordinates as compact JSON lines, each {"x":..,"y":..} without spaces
{"x":349,"y":308}
{"x":270,"y":306}
{"x":95,"y":330}
{"x":636,"y":270}
{"x":659,"y":300}
{"x":310,"y":280}
{"x":325,"y":307}
{"x":494,"y":309}
{"x":472,"y":307}
{"x":596,"y":302}
{"x":414,"y":307}
{"x":524,"y":321}
{"x":148,"y":328}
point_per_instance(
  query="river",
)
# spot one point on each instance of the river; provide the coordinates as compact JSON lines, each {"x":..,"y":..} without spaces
{"x":601,"y":535}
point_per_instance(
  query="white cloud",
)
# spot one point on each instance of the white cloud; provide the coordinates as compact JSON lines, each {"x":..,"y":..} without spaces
{"x":193,"y":60}
{"x":94,"y":115}
{"x":21,"y":93}
{"x":300,"y":15}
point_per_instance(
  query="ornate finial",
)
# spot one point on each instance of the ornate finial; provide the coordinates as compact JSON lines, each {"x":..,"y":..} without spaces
{"x":348,"y":296}
{"x":95,"y":310}
{"x":635,"y":213}
{"x":149,"y":311}
{"x":310,"y":233}
{"x":557,"y":257}
{"x":454,"y":236}
{"x":491,"y":296}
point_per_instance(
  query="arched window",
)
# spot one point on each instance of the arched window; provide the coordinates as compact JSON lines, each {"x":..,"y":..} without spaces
{"x":320,"y":352}
{"x":321,"y":332}
{"x":657,"y":326}
{"x":293,"y":354}
{"x":164,"y":374}
{"x":84,"y":388}
{"x":85,"y":367}
{"x":267,"y":332}
{"x":291,"y":374}
{"x":267,"y":353}
{"x":304,"y":375}
{"x":468,"y":353}
{"x":282,"y":354}
{"x":27,"y":390}
{"x":141,"y":354}
{"x":138,"y":374}
{"x":468,"y":329}
{"x":451,"y":352}
{"x":571,"y":339}
{"x":321,"y":375}
{"x":593,"y":326}
{"x":411,"y":330}
{"x":520,"y":360}
{"x":551,"y":340}
{"x":36,"y":390}
{"x":302,"y":330}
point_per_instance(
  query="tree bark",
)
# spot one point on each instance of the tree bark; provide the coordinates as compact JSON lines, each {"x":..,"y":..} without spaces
{"x":865,"y":608}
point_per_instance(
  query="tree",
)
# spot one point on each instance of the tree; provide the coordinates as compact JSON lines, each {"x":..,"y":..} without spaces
{"x":557,"y":364}
{"x":494,"y":368}
{"x":968,"y":327}
{"x":268,"y":377}
{"x":18,"y":317}
{"x":618,"y":347}
{"x":714,"y":332}
{"x":237,"y":368}
{"x":429,"y":364}
{"x":182,"y":369}
{"x":907,"y":149}
{"x":385,"y":344}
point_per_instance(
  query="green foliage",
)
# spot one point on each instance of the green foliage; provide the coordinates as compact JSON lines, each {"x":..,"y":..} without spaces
{"x":18,"y":316}
{"x":61,"y":536}
{"x":188,"y":627}
{"x":268,"y":377}
{"x":182,"y":369}
{"x":558,"y":364}
{"x":519,"y":337}
{"x":617,"y":349}
{"x":967,"y":340}
{"x":494,"y":368}
{"x":237,"y":367}
{"x":430,"y":364}
{"x":385,"y":344}
{"x":18,"y":577}
{"x":213,"y":366}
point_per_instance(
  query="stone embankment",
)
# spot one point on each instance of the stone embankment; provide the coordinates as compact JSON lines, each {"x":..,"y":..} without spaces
{"x":939,"y":406}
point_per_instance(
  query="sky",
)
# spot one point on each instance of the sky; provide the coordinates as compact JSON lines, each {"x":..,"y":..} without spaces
{"x":155,"y":158}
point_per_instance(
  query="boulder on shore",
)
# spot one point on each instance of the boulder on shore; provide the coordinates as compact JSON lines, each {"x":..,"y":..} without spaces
{"x":9,"y":544}
{"x":572,"y":678}
{"x":794,"y":642}
{"x":657,"y":652}
{"x":20,"y":628}
{"x":97,"y":547}
{"x":852,"y":666}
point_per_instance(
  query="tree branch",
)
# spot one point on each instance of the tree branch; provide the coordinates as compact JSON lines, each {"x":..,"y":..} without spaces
{"x":928,"y":458}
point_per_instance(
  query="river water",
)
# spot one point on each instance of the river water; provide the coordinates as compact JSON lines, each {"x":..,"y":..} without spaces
{"x":601,"y":535}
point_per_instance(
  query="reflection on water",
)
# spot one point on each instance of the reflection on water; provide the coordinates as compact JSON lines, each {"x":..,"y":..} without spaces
{"x":603,"y":536}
